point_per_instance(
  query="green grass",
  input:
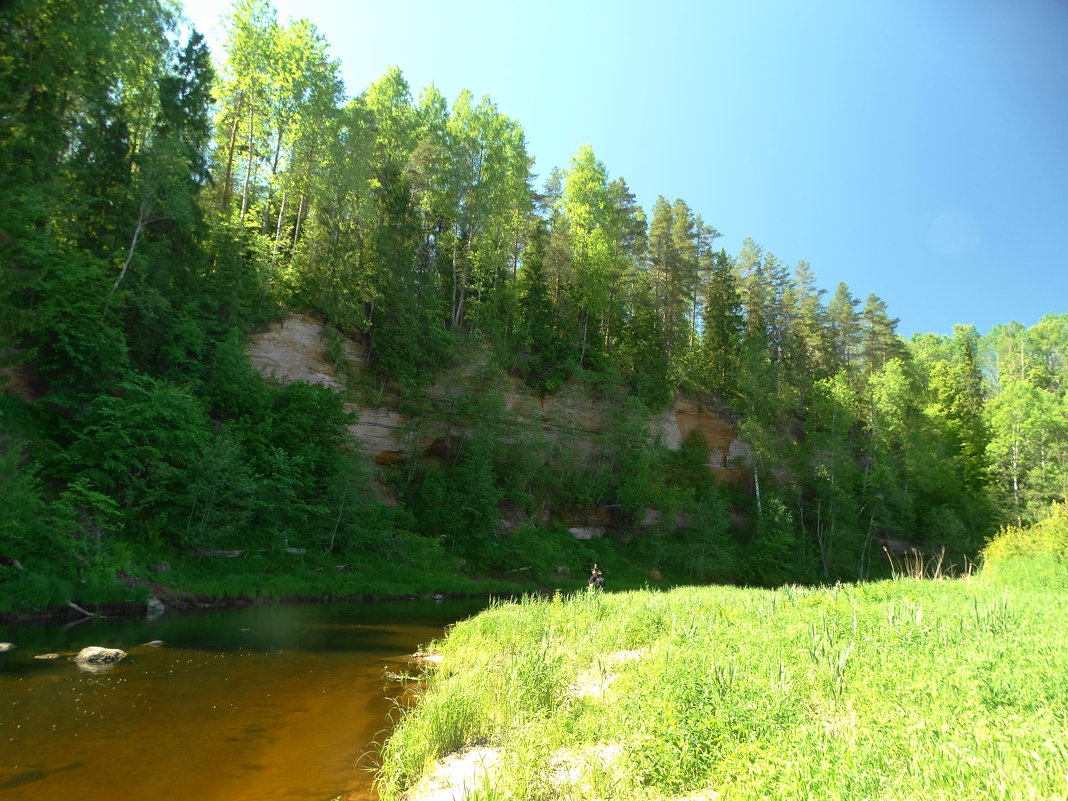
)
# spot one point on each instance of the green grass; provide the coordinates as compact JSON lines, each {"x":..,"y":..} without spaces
{"x":893,"y":690}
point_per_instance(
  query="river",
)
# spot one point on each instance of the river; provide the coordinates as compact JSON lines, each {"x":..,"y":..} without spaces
{"x":265,"y":703}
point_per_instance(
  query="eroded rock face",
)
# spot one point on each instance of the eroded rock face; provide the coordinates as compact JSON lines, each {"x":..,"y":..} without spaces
{"x":569,"y":413}
{"x":380,"y":432}
{"x":728,"y":456}
{"x":98,"y":655}
{"x":295,"y":350}
{"x":587,"y":532}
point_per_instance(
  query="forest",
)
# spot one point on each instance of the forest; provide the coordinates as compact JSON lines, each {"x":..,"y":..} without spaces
{"x":163,"y":202}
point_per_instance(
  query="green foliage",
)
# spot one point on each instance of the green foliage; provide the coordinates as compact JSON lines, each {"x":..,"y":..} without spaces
{"x":136,"y":446}
{"x":771,"y":554}
{"x":1027,"y":415}
{"x":460,"y":504}
{"x":27,"y":535}
{"x":545,"y":554}
{"x":26,"y":590}
{"x":710,"y":552}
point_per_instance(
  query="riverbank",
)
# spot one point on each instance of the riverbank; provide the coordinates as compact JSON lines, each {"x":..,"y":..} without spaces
{"x":191,"y":582}
{"x":28,"y":596}
{"x":891,"y":690}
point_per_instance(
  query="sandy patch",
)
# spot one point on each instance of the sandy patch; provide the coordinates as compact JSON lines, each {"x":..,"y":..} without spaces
{"x":595,"y":681}
{"x":457,"y":775}
{"x":433,"y":659}
{"x":571,"y":768}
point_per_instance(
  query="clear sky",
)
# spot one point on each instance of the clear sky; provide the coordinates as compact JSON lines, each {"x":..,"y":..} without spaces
{"x":917,"y":149}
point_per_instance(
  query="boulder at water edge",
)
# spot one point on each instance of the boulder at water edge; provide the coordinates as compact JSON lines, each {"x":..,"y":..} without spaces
{"x":97,"y":655}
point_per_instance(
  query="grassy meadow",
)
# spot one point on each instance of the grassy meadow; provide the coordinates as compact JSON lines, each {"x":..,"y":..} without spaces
{"x":909,"y":688}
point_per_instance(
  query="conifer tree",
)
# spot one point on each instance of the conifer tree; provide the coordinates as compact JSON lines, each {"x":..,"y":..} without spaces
{"x":845,"y":326}
{"x":722,"y":328}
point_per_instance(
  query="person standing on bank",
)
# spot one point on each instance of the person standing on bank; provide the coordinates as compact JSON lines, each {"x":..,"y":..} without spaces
{"x":596,"y":579}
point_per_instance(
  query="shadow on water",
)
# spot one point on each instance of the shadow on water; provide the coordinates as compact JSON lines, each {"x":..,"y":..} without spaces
{"x":34,"y":773}
{"x":271,"y":702}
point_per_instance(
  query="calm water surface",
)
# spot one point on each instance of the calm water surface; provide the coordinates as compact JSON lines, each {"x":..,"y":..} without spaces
{"x":268,"y":703}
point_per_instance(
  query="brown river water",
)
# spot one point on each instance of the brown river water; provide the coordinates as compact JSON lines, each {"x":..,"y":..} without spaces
{"x":267,"y":703}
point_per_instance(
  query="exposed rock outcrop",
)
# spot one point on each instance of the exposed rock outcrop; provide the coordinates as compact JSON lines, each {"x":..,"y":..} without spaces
{"x":295,"y":350}
{"x":571,"y":420}
{"x":728,"y":456}
{"x":98,"y":655}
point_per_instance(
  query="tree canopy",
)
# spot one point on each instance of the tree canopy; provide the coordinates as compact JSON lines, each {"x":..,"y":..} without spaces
{"x":161,"y":206}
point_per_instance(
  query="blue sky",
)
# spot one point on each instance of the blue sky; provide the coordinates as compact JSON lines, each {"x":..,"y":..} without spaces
{"x":914,"y":149}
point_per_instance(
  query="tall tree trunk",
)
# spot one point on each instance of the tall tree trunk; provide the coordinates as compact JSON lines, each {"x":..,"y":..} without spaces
{"x":459,"y":282}
{"x":300,"y":220}
{"x":270,"y":182}
{"x":231,"y":147}
{"x":143,"y":219}
{"x":278,"y":228}
{"x":585,"y":315}
{"x":337,"y":523}
{"x":455,"y":284}
{"x":1015,"y":467}
{"x":862,"y":570}
{"x":251,"y":156}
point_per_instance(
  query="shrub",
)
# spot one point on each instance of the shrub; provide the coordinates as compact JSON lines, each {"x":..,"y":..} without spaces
{"x":1035,"y":555}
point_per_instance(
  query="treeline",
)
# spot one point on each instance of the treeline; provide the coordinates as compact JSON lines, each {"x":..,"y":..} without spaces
{"x":157,"y":211}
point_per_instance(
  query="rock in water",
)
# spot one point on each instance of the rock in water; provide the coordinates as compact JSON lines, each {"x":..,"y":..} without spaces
{"x":6,"y":646}
{"x":155,"y":607}
{"x":97,"y":655}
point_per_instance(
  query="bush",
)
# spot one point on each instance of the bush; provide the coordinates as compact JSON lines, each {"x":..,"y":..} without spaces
{"x":32,"y":588}
{"x":1048,"y":537}
{"x":544,"y":550}
{"x":770,"y":557}
{"x":1032,"y":555}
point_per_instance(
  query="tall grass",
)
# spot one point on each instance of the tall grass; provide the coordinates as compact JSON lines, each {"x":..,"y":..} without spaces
{"x":894,"y":690}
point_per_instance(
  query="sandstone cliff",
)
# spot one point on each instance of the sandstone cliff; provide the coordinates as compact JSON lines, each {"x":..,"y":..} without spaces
{"x":295,"y":350}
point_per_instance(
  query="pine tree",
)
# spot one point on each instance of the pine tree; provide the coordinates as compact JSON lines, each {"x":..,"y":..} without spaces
{"x":845,"y":326}
{"x":879,"y":342}
{"x":722,"y":326}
